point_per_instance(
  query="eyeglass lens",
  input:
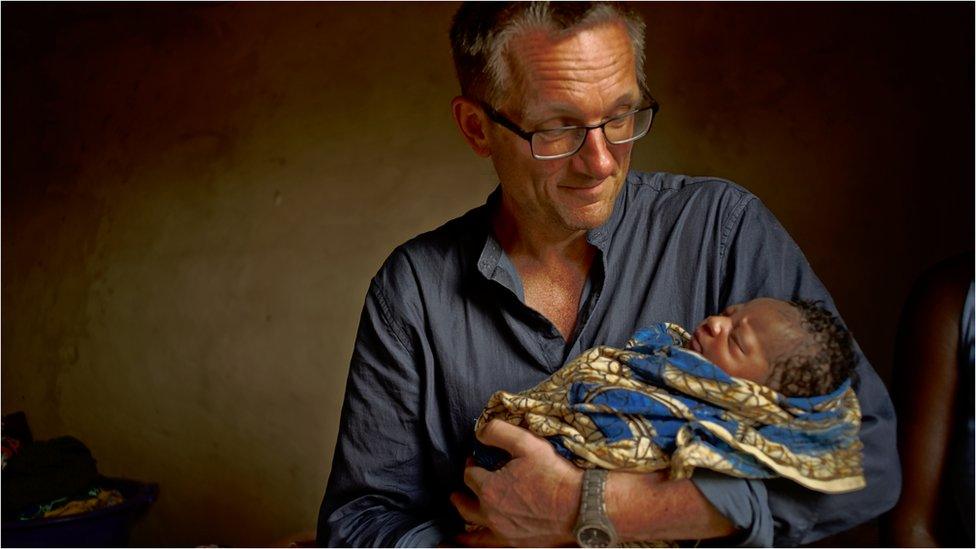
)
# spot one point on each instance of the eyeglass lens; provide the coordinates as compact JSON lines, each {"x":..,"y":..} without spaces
{"x":565,"y":142}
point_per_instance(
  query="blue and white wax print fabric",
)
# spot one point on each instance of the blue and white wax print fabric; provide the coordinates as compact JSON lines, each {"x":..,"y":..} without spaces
{"x":656,"y":405}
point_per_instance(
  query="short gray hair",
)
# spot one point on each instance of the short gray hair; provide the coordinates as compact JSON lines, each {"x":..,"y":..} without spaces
{"x":482,"y":31}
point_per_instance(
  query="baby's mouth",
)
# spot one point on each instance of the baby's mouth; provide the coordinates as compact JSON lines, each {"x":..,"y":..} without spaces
{"x":694,"y":344}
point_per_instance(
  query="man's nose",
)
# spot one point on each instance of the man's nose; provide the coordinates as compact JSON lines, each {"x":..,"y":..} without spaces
{"x":595,"y":156}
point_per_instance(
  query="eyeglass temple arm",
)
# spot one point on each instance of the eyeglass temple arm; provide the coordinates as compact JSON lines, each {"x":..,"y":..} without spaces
{"x":497,"y":117}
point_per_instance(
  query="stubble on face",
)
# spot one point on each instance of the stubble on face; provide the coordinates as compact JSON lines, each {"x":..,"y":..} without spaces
{"x":579,"y":79}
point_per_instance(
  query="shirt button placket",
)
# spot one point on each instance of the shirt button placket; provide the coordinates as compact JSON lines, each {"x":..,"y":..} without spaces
{"x":554,"y":345}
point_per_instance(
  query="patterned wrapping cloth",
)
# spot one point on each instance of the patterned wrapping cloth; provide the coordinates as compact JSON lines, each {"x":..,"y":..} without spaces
{"x":655,"y":405}
{"x":93,"y":498}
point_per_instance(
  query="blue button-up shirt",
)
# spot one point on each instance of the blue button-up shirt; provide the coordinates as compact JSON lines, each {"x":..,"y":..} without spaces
{"x":445,"y":325}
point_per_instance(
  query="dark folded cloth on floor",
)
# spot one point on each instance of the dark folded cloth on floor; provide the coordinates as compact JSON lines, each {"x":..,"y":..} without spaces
{"x":46,"y":471}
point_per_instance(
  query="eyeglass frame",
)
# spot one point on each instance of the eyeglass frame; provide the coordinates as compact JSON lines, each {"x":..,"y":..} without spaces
{"x":506,"y":123}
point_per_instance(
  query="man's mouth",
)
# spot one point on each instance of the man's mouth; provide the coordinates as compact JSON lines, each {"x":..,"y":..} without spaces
{"x":589,"y":192}
{"x":584,"y":187}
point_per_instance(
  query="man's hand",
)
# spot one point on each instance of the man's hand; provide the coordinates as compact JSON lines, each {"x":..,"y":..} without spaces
{"x":532,"y":501}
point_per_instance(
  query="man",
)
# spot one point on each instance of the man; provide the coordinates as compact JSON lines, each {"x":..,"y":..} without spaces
{"x":571,"y":252}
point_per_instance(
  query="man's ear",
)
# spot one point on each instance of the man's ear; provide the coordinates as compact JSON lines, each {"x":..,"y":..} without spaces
{"x":472,"y":122}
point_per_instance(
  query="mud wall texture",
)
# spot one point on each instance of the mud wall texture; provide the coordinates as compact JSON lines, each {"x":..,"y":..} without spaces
{"x":195,"y":196}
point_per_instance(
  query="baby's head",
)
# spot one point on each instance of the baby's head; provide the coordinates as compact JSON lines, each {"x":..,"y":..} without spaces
{"x":799,"y":349}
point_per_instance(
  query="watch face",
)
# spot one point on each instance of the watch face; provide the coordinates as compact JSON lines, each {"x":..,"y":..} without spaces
{"x":592,"y":536}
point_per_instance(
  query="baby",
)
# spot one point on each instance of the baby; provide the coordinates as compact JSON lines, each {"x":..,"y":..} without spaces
{"x":798,"y":349}
{"x":759,"y":391}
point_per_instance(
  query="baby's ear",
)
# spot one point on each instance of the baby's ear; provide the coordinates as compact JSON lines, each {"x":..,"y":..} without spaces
{"x":773,"y":378}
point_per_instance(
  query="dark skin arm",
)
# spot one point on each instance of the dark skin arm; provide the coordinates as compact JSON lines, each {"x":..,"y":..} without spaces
{"x":926,"y":387}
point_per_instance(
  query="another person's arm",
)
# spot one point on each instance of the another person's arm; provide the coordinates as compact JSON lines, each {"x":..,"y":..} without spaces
{"x":926,"y":374}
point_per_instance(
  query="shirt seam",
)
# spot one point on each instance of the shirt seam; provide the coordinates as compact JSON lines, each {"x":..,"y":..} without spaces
{"x":734,"y":218}
{"x":386,"y":312}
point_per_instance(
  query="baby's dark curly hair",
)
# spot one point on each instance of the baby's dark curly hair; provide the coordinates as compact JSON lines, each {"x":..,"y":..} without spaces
{"x":827,"y":358}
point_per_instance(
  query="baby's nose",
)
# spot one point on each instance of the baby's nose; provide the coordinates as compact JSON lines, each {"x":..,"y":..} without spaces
{"x":715,"y":325}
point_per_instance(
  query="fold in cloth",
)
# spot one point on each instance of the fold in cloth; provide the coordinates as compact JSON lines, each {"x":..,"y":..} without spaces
{"x":656,"y":405}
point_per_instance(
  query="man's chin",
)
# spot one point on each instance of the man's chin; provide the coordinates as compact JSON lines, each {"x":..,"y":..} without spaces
{"x":587,"y":218}
{"x":586,"y":209}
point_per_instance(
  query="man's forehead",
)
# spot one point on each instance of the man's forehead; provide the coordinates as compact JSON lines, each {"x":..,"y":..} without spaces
{"x":553,"y":74}
{"x":575,"y":42}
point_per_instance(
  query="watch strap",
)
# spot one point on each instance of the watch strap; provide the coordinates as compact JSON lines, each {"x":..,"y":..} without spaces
{"x":593,"y":527}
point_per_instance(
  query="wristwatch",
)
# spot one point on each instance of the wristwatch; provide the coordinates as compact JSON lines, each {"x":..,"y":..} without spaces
{"x":593,"y":527}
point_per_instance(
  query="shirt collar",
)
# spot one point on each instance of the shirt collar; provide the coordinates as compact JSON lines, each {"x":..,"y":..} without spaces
{"x":493,"y":263}
{"x":601,"y":236}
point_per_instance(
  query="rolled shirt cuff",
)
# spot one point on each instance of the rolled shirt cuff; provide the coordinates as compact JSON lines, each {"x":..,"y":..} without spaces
{"x":743,"y":502}
{"x":426,"y":534}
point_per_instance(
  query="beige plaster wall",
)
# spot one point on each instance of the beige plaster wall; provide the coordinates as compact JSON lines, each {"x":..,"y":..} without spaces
{"x":195,"y":197}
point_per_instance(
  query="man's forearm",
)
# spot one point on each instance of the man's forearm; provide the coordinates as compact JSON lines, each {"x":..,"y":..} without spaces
{"x":646,"y":507}
{"x":533,"y":500}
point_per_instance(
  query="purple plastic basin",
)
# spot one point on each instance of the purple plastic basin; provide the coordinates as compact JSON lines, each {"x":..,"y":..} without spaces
{"x":106,"y":527}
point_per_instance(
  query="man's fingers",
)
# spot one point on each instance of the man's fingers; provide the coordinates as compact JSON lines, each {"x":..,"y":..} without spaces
{"x":475,"y":477}
{"x":481,"y":537}
{"x":516,"y":441}
{"x":468,"y":508}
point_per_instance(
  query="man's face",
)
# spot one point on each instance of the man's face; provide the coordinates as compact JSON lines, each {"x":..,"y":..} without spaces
{"x":581,"y":79}
{"x":746,"y":339}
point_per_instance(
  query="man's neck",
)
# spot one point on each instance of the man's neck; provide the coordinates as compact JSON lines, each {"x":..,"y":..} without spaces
{"x":542,"y":244}
{"x":553,"y":264}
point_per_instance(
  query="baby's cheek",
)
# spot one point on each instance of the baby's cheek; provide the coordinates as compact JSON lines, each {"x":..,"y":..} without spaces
{"x":754,"y":370}
{"x":722,"y":362}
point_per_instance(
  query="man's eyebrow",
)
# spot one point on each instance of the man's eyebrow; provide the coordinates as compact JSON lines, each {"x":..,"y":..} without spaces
{"x":548,"y":111}
{"x":568,"y":110}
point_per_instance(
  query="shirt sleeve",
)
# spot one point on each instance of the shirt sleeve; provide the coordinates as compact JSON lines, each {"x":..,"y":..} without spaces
{"x":376,"y":492}
{"x":761,"y":260}
{"x":743,"y":502}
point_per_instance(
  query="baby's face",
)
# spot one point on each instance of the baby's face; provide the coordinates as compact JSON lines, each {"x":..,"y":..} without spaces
{"x":747,"y":338}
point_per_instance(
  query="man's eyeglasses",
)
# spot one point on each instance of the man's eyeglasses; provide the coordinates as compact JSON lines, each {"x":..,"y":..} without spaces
{"x":567,"y":141}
